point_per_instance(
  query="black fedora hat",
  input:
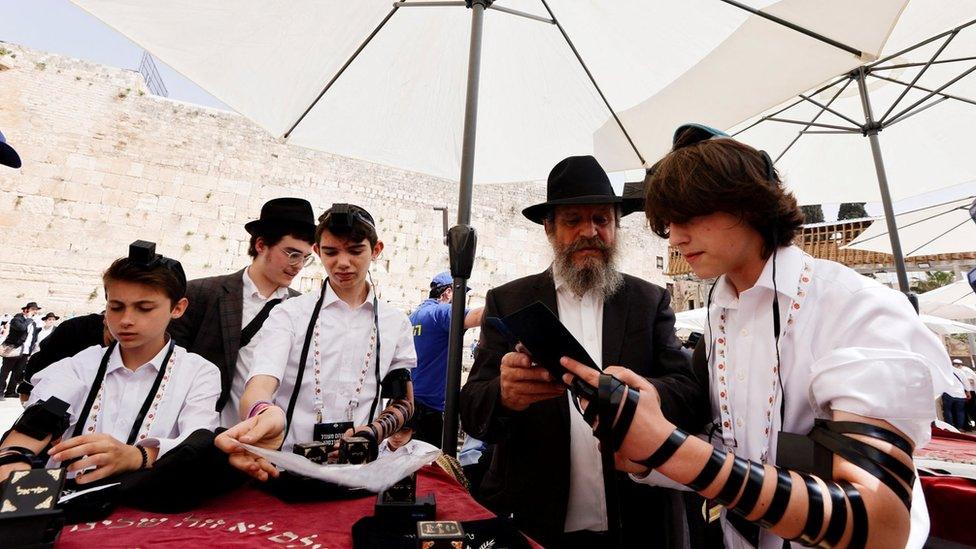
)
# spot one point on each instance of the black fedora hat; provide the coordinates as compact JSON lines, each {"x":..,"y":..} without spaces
{"x":578,"y":180}
{"x":31,"y":305}
{"x":286,"y":211}
{"x":51,"y":315}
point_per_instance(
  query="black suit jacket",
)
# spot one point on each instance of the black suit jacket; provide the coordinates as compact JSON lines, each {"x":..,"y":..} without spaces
{"x":211,"y":326}
{"x":529,"y":472}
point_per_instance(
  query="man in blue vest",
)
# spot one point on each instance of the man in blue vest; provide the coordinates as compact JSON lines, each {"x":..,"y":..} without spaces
{"x":431,"y":329}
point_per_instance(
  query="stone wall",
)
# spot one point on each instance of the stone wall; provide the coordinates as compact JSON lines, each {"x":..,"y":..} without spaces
{"x":105,"y":163}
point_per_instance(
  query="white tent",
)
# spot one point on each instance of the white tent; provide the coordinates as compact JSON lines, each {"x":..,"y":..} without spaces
{"x":955,"y":301}
{"x":942,"y":229}
{"x":944,"y":327}
{"x":692,"y":320}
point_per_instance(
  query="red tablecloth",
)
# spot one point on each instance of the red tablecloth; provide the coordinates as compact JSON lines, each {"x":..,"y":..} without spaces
{"x":950,"y":500}
{"x":250,"y":518}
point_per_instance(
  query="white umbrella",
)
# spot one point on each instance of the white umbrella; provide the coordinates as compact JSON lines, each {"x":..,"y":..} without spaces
{"x":816,"y":139}
{"x":401,"y":83}
{"x":944,"y":327}
{"x":955,"y":301}
{"x":942,"y":229}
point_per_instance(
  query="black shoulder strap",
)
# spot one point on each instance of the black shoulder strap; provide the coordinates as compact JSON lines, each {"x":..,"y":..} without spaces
{"x":300,"y":375}
{"x":137,"y":424}
{"x":93,"y":391}
{"x":255,"y":324}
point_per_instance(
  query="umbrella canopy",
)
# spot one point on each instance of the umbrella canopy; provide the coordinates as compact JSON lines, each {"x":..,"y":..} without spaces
{"x":823,"y":155}
{"x":955,"y":301}
{"x":942,"y":229}
{"x":944,"y":327}
{"x":400,"y":101}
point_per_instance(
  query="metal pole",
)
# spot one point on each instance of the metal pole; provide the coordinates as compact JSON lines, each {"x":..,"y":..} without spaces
{"x":462,"y":238}
{"x":871,"y":130}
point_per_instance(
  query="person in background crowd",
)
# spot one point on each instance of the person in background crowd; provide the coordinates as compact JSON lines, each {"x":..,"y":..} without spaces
{"x":431,"y":330}
{"x":50,"y":322}
{"x":546,"y":470}
{"x":67,"y":339}
{"x":16,"y":348}
{"x":961,"y":408}
{"x":226,"y":311}
{"x":404,"y":438}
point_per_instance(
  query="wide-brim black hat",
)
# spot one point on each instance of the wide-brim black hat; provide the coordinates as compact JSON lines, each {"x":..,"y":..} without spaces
{"x":284,"y":212}
{"x":31,"y":305}
{"x":579,"y":180}
{"x":51,"y":315}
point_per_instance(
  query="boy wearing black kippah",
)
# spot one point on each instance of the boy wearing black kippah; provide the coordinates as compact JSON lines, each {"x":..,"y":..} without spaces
{"x":127,"y":405}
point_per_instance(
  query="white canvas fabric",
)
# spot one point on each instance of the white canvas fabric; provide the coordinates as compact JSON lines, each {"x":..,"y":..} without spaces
{"x":401,"y":102}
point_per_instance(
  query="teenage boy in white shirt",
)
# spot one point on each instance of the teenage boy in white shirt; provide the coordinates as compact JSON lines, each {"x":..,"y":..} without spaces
{"x":824,"y":373}
{"x":126,"y":405}
{"x":342,"y":342}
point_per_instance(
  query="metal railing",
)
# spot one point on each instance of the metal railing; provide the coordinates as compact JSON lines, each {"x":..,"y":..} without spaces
{"x":147,"y":67}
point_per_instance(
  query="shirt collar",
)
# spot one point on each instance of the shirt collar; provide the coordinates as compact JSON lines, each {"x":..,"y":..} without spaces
{"x":789,"y":263}
{"x":331,"y":298}
{"x":156,"y":362}
{"x":251,"y":289}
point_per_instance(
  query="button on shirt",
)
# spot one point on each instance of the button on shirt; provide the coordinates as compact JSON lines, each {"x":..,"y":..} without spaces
{"x":344,"y":341}
{"x":855,"y":346}
{"x":587,"y":504}
{"x":252,"y":304}
{"x":187,"y":404}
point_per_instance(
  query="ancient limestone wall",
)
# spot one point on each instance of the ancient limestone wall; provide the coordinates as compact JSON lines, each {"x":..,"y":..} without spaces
{"x":105,"y":163}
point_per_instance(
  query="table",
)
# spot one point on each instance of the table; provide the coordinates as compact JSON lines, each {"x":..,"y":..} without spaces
{"x":249,"y":517}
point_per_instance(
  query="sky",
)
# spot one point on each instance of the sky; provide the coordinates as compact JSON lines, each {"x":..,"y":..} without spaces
{"x":58,"y":26}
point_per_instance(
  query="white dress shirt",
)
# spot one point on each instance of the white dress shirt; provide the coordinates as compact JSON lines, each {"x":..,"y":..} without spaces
{"x":587,"y":505}
{"x":252,"y":304}
{"x":344,"y":341}
{"x":856,"y":346}
{"x":187,"y":403}
{"x":968,"y":377}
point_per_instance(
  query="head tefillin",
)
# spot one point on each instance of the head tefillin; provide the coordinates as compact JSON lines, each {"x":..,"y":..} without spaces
{"x":143,"y":254}
{"x":343,"y":217}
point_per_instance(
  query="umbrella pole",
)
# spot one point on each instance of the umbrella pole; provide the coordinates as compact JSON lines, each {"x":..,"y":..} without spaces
{"x":461,"y":238}
{"x":871,"y":129}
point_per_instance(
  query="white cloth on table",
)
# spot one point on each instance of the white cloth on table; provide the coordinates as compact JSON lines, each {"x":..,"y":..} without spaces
{"x":187,"y":404}
{"x":345,"y":335}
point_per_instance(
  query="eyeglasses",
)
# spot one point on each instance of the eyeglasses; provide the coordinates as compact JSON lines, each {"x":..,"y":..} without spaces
{"x":296,"y":258}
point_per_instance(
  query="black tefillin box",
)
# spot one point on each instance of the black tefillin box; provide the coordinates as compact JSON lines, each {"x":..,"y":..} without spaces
{"x":400,"y":502}
{"x":28,"y":516}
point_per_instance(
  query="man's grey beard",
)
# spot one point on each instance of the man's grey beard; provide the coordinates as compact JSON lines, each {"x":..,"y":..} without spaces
{"x":599,"y":275}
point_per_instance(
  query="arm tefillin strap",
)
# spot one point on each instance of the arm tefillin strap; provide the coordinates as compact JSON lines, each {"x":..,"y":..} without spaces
{"x":613,"y":395}
{"x":826,"y":523}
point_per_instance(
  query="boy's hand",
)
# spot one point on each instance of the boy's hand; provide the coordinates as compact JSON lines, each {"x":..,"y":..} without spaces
{"x":10,"y":468}
{"x":108,"y":455}
{"x":265,"y":430}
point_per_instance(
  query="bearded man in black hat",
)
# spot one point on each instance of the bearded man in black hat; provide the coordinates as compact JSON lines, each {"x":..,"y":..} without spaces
{"x":225,"y":312}
{"x":546,"y":470}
